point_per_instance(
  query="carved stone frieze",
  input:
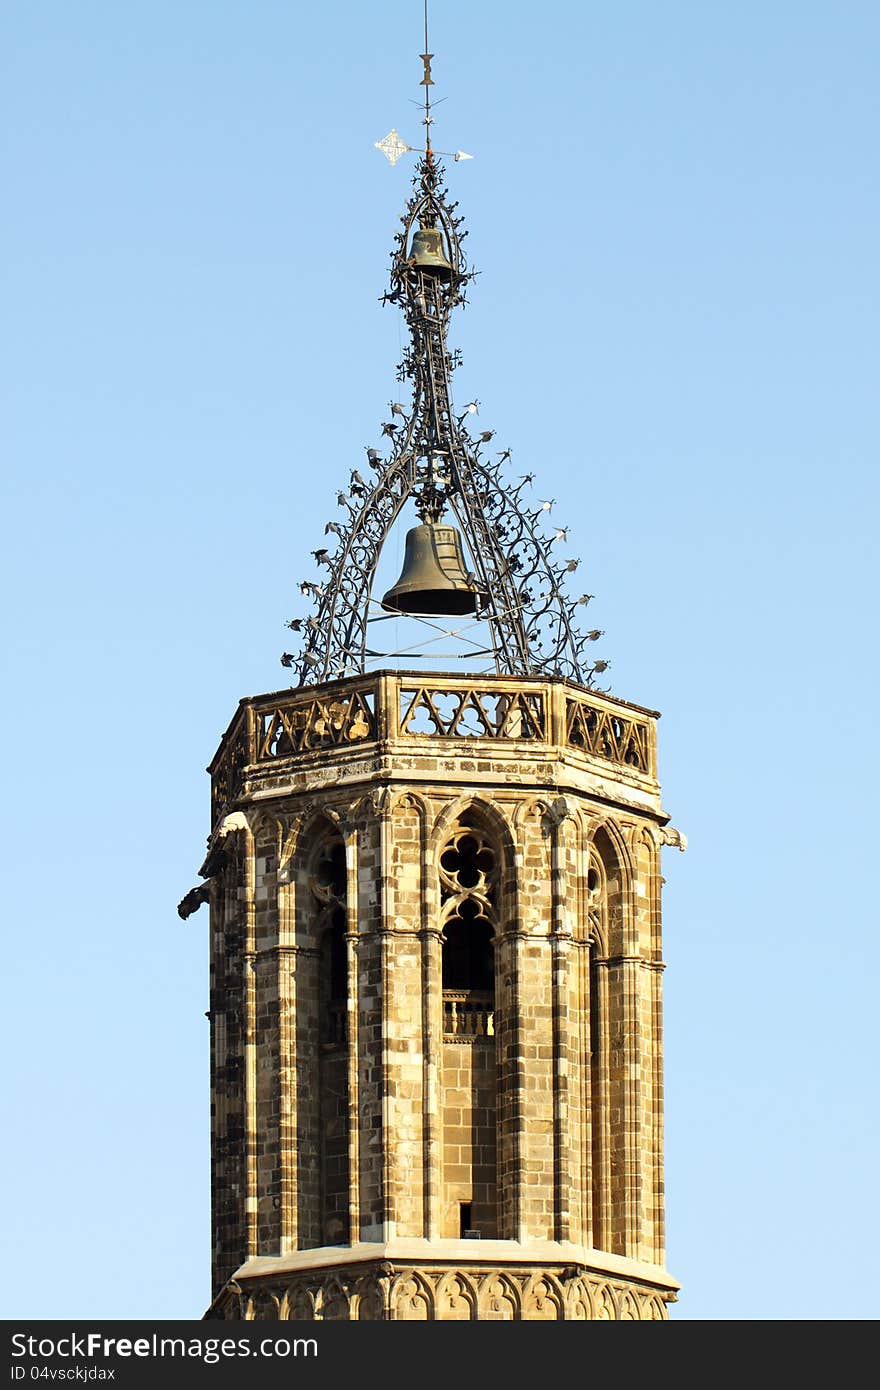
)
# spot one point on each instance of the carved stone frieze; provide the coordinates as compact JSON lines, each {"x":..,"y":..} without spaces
{"x":435,"y":1294}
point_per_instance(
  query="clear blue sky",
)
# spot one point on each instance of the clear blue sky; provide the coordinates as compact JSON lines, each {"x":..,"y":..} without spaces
{"x":675,"y":211}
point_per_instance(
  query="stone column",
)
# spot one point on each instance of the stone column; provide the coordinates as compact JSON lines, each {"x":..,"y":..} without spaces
{"x":432,"y":1042}
{"x":655,"y":1234}
{"x":559,"y":818}
{"x":251,"y":1128}
{"x":351,"y":1029}
{"x":629,"y":1062}
{"x":601,"y":1106}
{"x":372,"y":971}
{"x":511,"y":1085}
{"x":580,"y":1091}
{"x":287,"y":1050}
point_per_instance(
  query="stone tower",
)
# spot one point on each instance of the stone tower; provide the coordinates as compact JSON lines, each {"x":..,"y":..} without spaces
{"x":436,"y":1057}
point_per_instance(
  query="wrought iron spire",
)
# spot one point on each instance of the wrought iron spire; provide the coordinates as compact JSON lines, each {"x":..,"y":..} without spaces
{"x":436,"y":461}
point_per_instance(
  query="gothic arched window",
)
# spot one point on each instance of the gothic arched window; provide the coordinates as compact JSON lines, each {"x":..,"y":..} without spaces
{"x":468,"y":895}
{"x":470,"y":890}
{"x":607,"y":1063}
{"x":328,"y":883}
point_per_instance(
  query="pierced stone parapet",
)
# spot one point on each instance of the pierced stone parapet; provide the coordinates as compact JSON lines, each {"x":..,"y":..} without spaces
{"x":301,"y":725}
{"x":401,"y":712}
{"x":608,"y":734}
{"x":472,"y":710}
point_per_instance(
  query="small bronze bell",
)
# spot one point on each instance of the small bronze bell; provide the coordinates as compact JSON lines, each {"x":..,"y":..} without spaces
{"x":433,"y":578}
{"x":426,"y":252}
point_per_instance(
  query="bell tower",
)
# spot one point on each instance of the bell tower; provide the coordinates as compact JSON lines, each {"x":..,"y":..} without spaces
{"x":436,"y":965}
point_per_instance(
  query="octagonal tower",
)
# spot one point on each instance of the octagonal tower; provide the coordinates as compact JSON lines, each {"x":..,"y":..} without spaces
{"x":436,"y":1034}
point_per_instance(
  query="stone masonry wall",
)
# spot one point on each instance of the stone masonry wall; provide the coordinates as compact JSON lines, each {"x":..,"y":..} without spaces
{"x":469,"y":1128}
{"x":550,"y":1128}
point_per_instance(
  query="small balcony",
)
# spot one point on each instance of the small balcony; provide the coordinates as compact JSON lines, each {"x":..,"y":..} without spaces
{"x":468,"y":1015}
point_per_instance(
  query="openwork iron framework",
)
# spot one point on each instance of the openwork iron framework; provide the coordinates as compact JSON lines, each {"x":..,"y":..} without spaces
{"x":434,"y":459}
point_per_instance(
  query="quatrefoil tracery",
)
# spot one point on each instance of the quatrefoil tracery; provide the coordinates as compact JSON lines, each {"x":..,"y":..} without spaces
{"x":468,"y":874}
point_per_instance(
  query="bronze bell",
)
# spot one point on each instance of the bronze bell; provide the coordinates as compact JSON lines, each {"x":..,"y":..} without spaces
{"x":433,"y":578}
{"x":426,"y":252}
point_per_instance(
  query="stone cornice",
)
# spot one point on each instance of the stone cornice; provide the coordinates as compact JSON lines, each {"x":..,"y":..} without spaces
{"x":458,"y":1254}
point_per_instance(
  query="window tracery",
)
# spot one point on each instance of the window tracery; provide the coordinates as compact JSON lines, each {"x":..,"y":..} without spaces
{"x":469,"y":877}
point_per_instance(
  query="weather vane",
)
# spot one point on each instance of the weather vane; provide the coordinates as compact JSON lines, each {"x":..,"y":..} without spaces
{"x":393,"y":146}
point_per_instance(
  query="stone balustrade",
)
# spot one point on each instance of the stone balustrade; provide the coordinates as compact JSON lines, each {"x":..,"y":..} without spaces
{"x":400,"y":709}
{"x":467,"y":1014}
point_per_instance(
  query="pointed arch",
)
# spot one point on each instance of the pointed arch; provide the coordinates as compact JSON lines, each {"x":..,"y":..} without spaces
{"x":413,"y":799}
{"x":500,"y":1298}
{"x":469,"y":870}
{"x":265,"y":823}
{"x":335,"y":1302}
{"x":593,"y":923}
{"x":579,"y":1301}
{"x":656,"y":1309}
{"x":299,"y":853}
{"x":617,"y":838}
{"x":471,"y":856}
{"x":498,"y":825}
{"x":629,"y":1308}
{"x":492,"y":815}
{"x":605,"y":1304}
{"x":368,"y":1304}
{"x":609,"y":845}
{"x":608,"y":905}
{"x":616,"y":1082}
{"x":456,"y":1297}
{"x":646,"y":853}
{"x":527,"y":807}
{"x":543,"y":1299}
{"x":300,"y":835}
{"x":318,"y":873}
{"x":301,"y":1303}
{"x":263,"y":1306}
{"x":412,"y":1297}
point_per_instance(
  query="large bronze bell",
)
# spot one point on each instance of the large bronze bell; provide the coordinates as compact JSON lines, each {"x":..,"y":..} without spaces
{"x":433,"y":578}
{"x":426,"y":252}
